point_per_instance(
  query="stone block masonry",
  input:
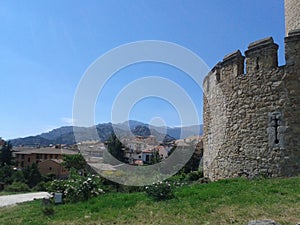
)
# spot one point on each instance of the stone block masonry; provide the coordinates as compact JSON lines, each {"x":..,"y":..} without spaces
{"x":292,"y":15}
{"x":252,"y":119}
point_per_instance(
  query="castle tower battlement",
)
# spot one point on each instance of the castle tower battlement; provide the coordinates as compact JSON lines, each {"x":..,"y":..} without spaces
{"x":252,"y":117}
{"x":232,"y":64}
{"x":261,"y":55}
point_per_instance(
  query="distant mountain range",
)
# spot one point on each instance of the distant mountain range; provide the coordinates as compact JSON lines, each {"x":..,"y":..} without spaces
{"x":65,"y":135}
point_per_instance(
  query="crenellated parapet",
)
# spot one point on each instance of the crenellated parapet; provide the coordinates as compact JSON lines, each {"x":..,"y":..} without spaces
{"x":261,"y":56}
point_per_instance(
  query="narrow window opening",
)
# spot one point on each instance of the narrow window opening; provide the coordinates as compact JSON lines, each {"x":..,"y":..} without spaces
{"x":276,"y":125}
{"x":257,"y":64}
{"x":276,"y":130}
{"x":218,"y":77}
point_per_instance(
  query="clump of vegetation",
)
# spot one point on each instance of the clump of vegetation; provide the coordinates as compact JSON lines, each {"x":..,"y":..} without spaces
{"x":74,"y":161}
{"x":115,"y":148}
{"x":77,"y":188}
{"x":17,"y":187}
{"x":14,"y":180}
{"x":6,"y":154}
{"x":32,"y":175}
{"x":160,"y":191}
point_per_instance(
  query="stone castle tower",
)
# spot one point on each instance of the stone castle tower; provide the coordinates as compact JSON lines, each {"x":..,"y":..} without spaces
{"x":252,"y":109}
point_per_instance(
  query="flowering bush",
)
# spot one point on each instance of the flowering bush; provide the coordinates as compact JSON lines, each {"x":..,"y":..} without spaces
{"x":77,"y":189}
{"x":160,"y":191}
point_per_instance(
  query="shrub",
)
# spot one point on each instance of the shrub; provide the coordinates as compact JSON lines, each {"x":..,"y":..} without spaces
{"x":40,"y":187}
{"x":77,"y":189}
{"x":32,"y":175}
{"x":17,"y":187}
{"x":160,"y":191}
{"x":49,"y":177}
{"x":6,"y":174}
{"x":180,"y":177}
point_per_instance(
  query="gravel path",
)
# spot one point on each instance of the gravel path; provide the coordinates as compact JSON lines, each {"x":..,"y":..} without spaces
{"x":18,"y":198}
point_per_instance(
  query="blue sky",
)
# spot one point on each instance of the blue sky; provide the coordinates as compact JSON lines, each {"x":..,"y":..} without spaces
{"x":46,"y":46}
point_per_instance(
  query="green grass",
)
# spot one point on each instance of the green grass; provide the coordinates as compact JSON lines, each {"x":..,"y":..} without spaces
{"x":234,"y":201}
{"x":10,"y":193}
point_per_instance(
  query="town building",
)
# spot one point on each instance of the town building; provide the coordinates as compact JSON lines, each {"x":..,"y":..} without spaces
{"x":49,"y":159}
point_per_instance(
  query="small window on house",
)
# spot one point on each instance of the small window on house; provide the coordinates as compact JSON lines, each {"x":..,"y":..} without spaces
{"x":51,"y":156}
{"x":50,"y":168}
{"x":22,"y":156}
{"x":45,"y":156}
{"x":28,"y":160}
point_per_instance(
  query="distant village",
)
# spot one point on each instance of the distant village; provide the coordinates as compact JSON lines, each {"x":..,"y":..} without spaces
{"x":137,"y":150}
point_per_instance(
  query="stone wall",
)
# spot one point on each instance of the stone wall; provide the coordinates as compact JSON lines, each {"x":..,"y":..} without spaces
{"x":292,"y":15}
{"x":252,"y":119}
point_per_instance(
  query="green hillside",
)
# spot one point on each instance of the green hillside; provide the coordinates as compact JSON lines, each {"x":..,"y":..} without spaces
{"x":235,"y":201}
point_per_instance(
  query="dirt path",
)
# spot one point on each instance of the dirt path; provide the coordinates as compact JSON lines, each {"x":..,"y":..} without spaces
{"x":18,"y":198}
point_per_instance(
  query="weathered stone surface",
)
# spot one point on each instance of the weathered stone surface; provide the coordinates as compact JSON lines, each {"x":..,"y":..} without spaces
{"x":261,"y":43}
{"x":263,"y":222}
{"x":292,"y":15}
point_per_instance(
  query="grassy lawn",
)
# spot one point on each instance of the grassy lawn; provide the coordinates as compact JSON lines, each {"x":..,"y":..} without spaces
{"x":234,"y":201}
